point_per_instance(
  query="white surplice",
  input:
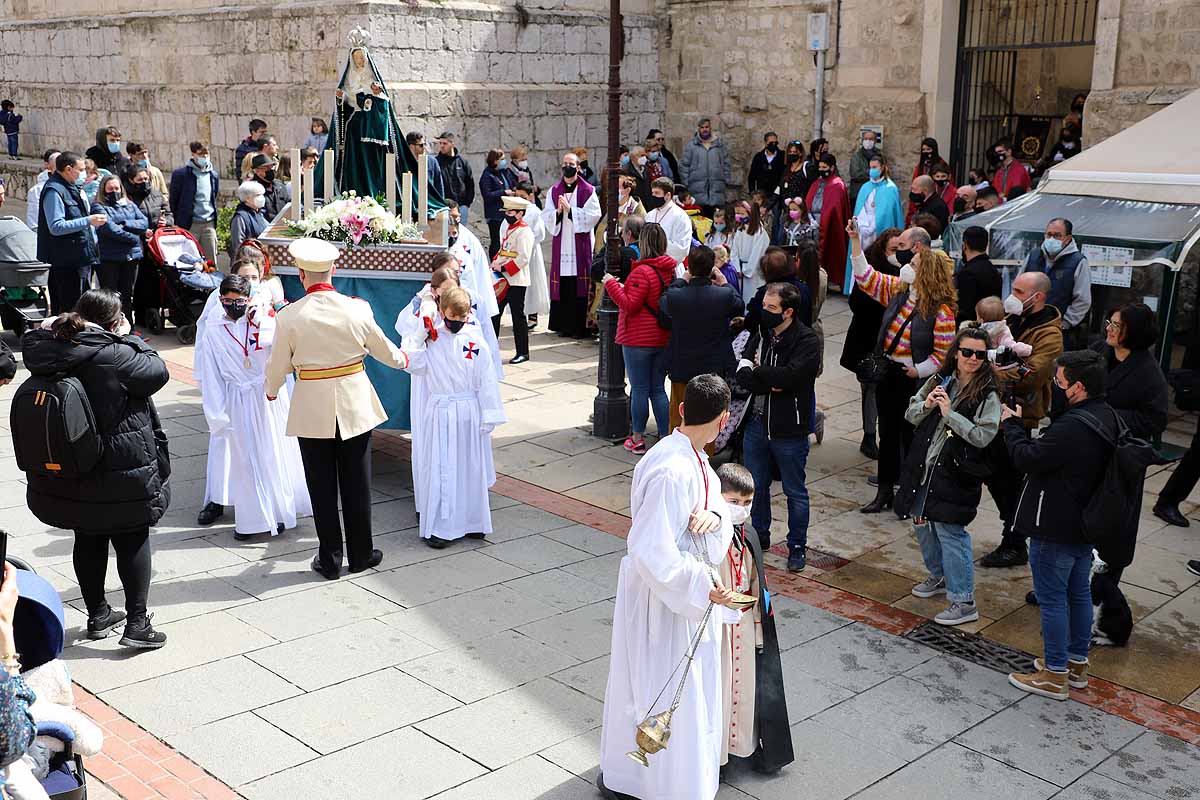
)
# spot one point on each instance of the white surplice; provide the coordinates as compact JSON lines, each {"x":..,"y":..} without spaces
{"x":662,"y":594}
{"x":582,"y":219}
{"x":745,"y":254}
{"x":537,"y":298}
{"x":266,"y":476}
{"x":677,"y":225}
{"x":476,"y":277}
{"x":452,"y":457}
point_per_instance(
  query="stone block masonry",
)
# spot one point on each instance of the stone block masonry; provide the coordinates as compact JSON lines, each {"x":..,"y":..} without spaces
{"x":168,"y":77}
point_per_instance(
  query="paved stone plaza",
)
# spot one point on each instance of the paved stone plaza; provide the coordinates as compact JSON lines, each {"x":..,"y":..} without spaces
{"x":478,"y":671}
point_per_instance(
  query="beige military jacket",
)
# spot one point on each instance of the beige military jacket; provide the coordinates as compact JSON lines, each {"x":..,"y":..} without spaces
{"x":324,"y":337}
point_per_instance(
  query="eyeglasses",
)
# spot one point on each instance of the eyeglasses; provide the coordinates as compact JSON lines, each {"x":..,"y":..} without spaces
{"x":234,"y":303}
{"x":967,"y":352}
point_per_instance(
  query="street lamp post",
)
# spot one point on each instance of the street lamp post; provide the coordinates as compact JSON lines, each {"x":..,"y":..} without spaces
{"x":611,"y":407}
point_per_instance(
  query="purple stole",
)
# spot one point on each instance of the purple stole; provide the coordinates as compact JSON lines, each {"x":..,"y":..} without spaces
{"x":583,"y":243}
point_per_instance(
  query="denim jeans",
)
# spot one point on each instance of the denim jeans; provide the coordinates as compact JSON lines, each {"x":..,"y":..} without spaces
{"x":463,"y":213}
{"x":1062,"y":581}
{"x":13,"y":140}
{"x":946,"y":550}
{"x":791,"y":456}
{"x":647,"y":370}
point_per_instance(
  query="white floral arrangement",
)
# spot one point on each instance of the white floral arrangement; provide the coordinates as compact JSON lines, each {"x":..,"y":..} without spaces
{"x":356,"y":222}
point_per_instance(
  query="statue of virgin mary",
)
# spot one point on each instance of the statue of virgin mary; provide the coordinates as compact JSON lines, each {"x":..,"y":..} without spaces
{"x":364,"y":133}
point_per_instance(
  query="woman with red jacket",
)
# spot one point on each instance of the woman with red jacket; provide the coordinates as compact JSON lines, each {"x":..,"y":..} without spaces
{"x":643,"y":340}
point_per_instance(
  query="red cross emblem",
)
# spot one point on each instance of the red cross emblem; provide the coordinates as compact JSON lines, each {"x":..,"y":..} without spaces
{"x":471,"y":350}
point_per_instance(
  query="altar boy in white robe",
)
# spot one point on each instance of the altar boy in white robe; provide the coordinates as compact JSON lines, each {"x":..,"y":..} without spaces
{"x":475,"y":272}
{"x":452,"y":460}
{"x":266,"y":482}
{"x":666,"y":583}
{"x":571,"y":216}
{"x":537,"y":297}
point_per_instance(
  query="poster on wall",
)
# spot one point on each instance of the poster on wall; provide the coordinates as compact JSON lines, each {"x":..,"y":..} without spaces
{"x":877,"y":130}
{"x":1111,"y":266}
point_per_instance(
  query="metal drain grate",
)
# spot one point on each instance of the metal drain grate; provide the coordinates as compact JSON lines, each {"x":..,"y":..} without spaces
{"x":972,"y":647}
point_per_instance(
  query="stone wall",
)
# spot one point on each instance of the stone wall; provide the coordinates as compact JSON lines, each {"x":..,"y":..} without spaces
{"x":168,"y":78}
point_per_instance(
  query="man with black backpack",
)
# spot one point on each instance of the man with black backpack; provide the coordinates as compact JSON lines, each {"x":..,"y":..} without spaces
{"x":1065,"y":470}
{"x":779,"y":367}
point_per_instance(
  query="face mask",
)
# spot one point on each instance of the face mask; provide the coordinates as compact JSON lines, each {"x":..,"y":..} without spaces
{"x":1013,"y":305}
{"x":270,"y":176}
{"x":907,"y":273}
{"x":792,"y":158}
{"x":112,"y":197}
{"x":825,"y":174}
{"x":512,"y":219}
{"x":904,"y":256}
{"x":794,"y":214}
{"x":658,"y":198}
{"x":771,"y":319}
{"x":235,"y":311}
{"x":1077,"y":108}
{"x":942,"y":184}
{"x":895,"y":262}
{"x":114,"y":147}
{"x":502,"y":164}
{"x":455,"y":325}
{"x":1052,"y":247}
{"x":523,"y":164}
{"x":960,"y":205}
{"x":720,"y":226}
{"x":875,"y":172}
{"x":706,"y":136}
{"x":926,"y":156}
{"x":1058,"y":400}
{"x":996,"y":158}
{"x":654,"y":156}
{"x":254,"y":284}
{"x":738,"y":514}
{"x":582,"y":164}
{"x":202,"y":163}
{"x":82,"y":179}
{"x":624,"y":160}
{"x":868,"y":144}
{"x":642,"y":161}
{"x":916,"y":197}
{"x":144,"y":163}
{"x":1068,"y":145}
{"x":569,"y":171}
{"x":258,"y":202}
{"x":139,"y":189}
{"x":740,"y":219}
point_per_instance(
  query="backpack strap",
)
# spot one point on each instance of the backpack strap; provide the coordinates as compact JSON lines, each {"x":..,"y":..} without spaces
{"x":1092,"y":422}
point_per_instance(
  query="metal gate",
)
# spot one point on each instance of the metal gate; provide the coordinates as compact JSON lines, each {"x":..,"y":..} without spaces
{"x":990,"y":35}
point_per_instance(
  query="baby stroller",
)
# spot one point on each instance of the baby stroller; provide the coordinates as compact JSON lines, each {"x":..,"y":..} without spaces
{"x":184,"y":282}
{"x":24,"y":301}
{"x":40,"y":633}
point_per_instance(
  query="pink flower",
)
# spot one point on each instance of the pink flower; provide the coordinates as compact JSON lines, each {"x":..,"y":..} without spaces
{"x":356,"y":225}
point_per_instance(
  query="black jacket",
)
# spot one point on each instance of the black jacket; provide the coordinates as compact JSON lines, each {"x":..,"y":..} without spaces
{"x":457,"y":178}
{"x":936,"y":206}
{"x":641,"y":186}
{"x":700,"y":313}
{"x":128,"y":490}
{"x":1062,"y":469}
{"x":8,"y":364}
{"x":102,"y":158}
{"x":754,"y":307}
{"x":764,"y":175}
{"x":1137,"y":390}
{"x":276,"y":197}
{"x":789,"y":363}
{"x":600,"y":263}
{"x":977,"y":279}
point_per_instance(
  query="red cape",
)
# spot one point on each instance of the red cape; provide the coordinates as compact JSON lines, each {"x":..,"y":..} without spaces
{"x":835,"y":213}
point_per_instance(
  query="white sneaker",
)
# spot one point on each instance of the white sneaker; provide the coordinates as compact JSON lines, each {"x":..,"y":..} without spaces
{"x":930,"y":587}
{"x":957,"y":614}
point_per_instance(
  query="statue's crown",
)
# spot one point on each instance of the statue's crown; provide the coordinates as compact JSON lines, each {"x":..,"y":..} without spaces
{"x":359,"y":37}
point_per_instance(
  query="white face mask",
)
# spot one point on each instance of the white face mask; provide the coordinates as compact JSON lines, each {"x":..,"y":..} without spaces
{"x":895,"y":262}
{"x":641,"y":161}
{"x":1013,"y":305}
{"x":258,"y":202}
{"x":868,"y":144}
{"x":523,"y":164}
{"x":908,"y":274}
{"x":739,"y":514}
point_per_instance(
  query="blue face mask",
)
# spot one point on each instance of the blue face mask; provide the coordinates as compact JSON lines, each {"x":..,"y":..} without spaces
{"x":624,"y":160}
{"x":143,"y":162}
{"x":502,"y":164}
{"x":875,"y":173}
{"x":114,"y":147}
{"x":652,"y":156}
{"x":1052,"y":247}
{"x":82,"y":179}
{"x":202,"y":163}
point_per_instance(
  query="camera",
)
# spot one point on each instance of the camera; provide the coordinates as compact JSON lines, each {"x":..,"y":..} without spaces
{"x":1005,"y":358}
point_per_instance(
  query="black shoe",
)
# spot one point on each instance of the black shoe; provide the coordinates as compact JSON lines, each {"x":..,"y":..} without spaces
{"x":279,"y":528}
{"x":436,"y":542}
{"x":869,"y":449}
{"x":1031,"y":597}
{"x":882,"y":502}
{"x":797,"y":561}
{"x":142,"y":636}
{"x":764,"y":541}
{"x":476,"y":535}
{"x":325,"y":572}
{"x":210,"y":514}
{"x":241,"y":537}
{"x":99,"y":627}
{"x":374,"y":561}
{"x":1169,"y":513}
{"x":1194,"y":567}
{"x":1005,"y":557}
{"x":609,"y":794}
{"x":521,"y":359}
{"x":873,"y":480}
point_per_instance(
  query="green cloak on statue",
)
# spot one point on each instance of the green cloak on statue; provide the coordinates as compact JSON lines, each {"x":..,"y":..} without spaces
{"x":364,"y":133}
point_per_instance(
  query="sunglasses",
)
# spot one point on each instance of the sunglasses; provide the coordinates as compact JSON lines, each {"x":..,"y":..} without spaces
{"x":967,"y":352}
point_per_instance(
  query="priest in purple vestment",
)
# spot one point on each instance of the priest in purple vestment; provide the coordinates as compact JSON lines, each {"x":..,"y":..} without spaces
{"x":571,"y":216}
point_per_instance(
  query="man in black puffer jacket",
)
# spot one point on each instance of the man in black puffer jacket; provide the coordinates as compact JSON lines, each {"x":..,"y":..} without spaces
{"x":779,"y":367}
{"x":1063,"y":468}
{"x":127,"y":492}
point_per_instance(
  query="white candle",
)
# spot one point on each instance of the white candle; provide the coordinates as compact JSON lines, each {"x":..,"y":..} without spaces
{"x":423,"y":191}
{"x":294,"y":185}
{"x":390,"y":188}
{"x":406,"y":201}
{"x":309,"y":182}
{"x":329,"y":192}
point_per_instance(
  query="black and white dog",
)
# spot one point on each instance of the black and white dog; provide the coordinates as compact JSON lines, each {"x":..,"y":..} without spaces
{"x":1112,"y":619}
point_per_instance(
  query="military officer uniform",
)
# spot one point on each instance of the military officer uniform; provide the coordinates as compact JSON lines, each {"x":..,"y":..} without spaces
{"x":323,"y":338}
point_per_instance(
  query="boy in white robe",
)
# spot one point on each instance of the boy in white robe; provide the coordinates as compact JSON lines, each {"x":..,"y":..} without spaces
{"x":266,"y":487}
{"x":666,"y":584}
{"x":537,"y":298}
{"x":452,"y":459}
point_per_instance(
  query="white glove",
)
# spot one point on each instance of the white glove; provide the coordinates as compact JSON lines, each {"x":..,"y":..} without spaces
{"x":744,"y":364}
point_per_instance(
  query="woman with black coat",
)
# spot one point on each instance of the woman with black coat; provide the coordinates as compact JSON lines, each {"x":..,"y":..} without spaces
{"x":127,"y":492}
{"x":147,"y":290}
{"x":866,"y":317}
{"x":494,"y":182}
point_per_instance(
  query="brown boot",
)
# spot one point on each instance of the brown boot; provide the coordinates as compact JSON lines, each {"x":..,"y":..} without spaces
{"x":1077,"y":677}
{"x":1043,"y":682}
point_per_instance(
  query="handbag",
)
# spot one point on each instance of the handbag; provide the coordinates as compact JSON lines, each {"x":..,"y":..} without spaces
{"x":872,"y":369}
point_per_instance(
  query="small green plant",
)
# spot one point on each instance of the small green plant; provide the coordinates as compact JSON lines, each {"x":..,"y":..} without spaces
{"x":224,"y":217}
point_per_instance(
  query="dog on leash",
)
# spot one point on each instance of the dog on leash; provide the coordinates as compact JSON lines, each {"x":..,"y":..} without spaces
{"x":1112,"y":619}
